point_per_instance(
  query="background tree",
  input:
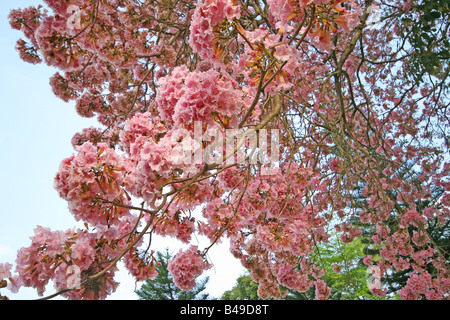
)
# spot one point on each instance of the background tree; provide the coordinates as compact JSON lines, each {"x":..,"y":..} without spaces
{"x":163,"y":288}
{"x":346,"y":276}
{"x":345,"y":273}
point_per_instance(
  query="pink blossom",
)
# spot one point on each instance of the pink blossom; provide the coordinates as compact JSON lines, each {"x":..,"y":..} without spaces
{"x":142,"y":268}
{"x":206,"y":16}
{"x":335,"y":165}
{"x":5,"y":270}
{"x":322,"y":290}
{"x":95,"y":172}
{"x":176,"y":225}
{"x":95,"y":136}
{"x":293,"y":279}
{"x":420,"y":238}
{"x":416,"y":284}
{"x":186,"y":266}
{"x":27,"y":52}
{"x":51,"y":45}
{"x":14,"y":284}
{"x":88,"y":104}
{"x":287,"y":276}
{"x":337,"y":268}
{"x":368,"y":260}
{"x":411,"y":217}
{"x":204,"y":93}
{"x":83,"y":251}
{"x":283,"y":52}
{"x":34,"y":264}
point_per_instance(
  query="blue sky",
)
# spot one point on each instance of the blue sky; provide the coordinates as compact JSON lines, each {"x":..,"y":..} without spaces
{"x":35,"y":133}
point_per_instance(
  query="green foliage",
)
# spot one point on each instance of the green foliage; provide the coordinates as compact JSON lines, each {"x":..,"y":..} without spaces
{"x":350,"y":281}
{"x":245,"y":289}
{"x":163,"y":288}
{"x":426,"y":29}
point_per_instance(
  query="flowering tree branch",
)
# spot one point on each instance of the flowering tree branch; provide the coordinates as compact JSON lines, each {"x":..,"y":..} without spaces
{"x":272,"y":124}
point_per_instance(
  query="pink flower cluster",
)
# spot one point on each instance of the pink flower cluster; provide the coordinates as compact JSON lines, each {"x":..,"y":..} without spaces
{"x":177,"y":225}
{"x":186,"y":266}
{"x":153,"y":153}
{"x":422,"y":285}
{"x":36,"y":263}
{"x":335,"y":165}
{"x":322,"y":290}
{"x":13,"y":283}
{"x":95,"y":135}
{"x":142,"y":268}
{"x":186,"y":97}
{"x":269,"y":48}
{"x":89,"y":104}
{"x":293,"y":279}
{"x":5,"y":270}
{"x":52,"y":45}
{"x":281,"y":228}
{"x":61,"y":6}
{"x":411,"y":218}
{"x":348,"y":232}
{"x":62,"y":89}
{"x":141,"y":126}
{"x":282,"y":12}
{"x":287,"y":13}
{"x":69,"y":257}
{"x":27,"y":20}
{"x":207,"y":15}
{"x":91,"y":182}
